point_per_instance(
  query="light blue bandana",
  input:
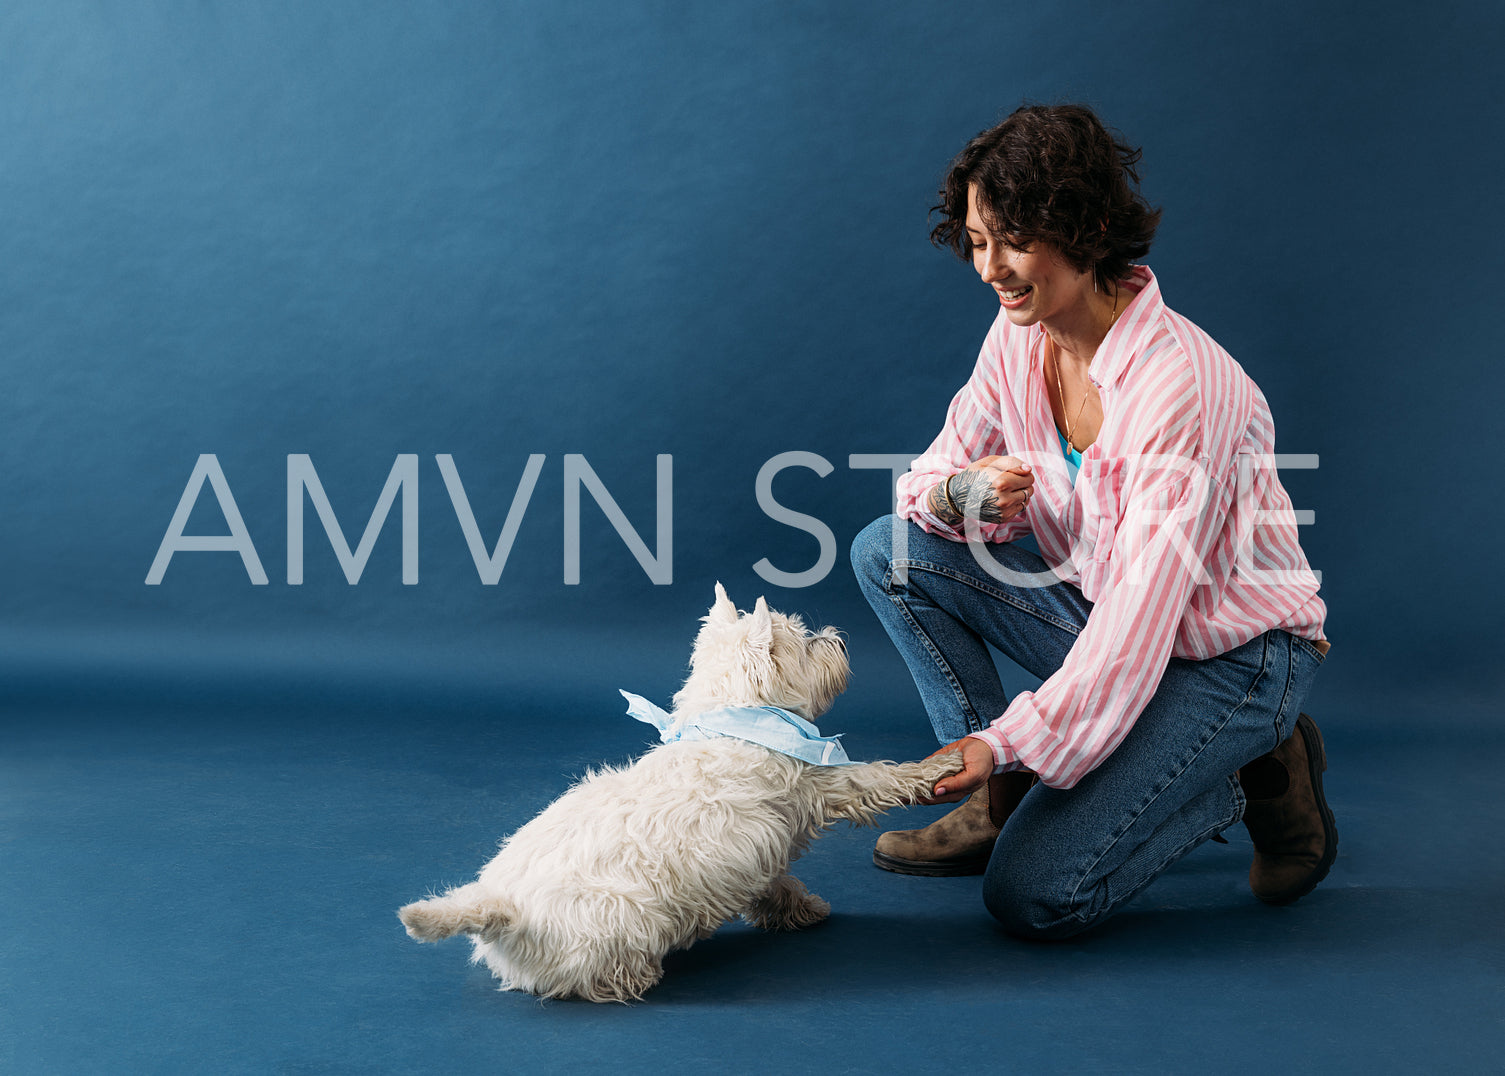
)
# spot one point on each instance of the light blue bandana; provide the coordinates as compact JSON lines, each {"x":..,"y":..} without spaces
{"x":778,"y":730}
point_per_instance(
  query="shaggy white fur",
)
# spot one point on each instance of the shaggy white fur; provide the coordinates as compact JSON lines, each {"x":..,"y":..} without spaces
{"x":634,"y":862}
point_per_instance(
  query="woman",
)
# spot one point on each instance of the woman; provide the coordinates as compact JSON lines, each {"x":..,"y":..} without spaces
{"x":1172,"y":614}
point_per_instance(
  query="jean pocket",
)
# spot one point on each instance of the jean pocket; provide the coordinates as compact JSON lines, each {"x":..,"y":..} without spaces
{"x":1311,"y":649}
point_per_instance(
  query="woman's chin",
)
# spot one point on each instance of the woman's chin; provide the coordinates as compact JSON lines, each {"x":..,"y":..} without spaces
{"x":1023,"y":315}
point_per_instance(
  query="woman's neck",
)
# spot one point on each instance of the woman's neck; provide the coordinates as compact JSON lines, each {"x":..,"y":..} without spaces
{"x":1077,"y":333}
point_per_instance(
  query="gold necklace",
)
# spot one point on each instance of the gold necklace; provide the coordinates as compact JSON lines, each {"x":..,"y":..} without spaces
{"x":1061,"y":391}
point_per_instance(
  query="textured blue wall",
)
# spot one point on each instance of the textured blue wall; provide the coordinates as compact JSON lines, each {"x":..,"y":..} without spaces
{"x":492,"y":230}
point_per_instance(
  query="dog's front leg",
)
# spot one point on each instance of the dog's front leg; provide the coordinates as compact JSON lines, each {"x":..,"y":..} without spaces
{"x":787,"y":905}
{"x":859,"y":794}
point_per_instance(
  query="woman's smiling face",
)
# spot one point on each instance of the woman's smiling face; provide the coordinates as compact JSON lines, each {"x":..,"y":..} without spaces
{"x":1032,"y":284}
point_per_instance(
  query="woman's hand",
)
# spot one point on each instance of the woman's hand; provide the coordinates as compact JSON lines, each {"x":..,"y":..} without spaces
{"x":993,"y":489}
{"x":977,"y":767}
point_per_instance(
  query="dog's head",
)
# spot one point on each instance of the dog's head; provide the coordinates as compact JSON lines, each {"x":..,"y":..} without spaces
{"x":763,"y":658}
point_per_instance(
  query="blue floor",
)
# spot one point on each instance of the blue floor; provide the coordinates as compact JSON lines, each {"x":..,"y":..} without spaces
{"x":211,"y":888}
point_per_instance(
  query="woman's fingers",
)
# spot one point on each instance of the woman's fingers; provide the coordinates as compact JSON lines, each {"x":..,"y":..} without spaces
{"x":977,"y":767}
{"x":1008,"y":479}
{"x":1013,"y":489}
{"x":1012,"y":484}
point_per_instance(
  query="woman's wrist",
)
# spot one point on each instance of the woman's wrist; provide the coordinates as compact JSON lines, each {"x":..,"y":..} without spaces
{"x":966,"y":494}
{"x":949,"y":498}
{"x":943,"y":503}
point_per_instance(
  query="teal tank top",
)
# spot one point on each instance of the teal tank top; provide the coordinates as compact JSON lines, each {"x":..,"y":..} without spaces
{"x":1073,"y":458}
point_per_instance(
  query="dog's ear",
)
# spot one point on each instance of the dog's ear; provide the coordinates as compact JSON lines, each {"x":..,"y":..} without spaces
{"x":760,"y":634}
{"x":723,"y":610}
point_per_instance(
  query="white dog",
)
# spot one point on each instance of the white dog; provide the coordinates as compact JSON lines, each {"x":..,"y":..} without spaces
{"x":632,"y":863}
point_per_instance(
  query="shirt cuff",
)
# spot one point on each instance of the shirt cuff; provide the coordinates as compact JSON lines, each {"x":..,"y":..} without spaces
{"x":921,"y":516}
{"x":1003,"y":755}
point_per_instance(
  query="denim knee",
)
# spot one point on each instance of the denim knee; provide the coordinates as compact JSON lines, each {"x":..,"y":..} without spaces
{"x":1030,"y":906}
{"x":872,"y":550}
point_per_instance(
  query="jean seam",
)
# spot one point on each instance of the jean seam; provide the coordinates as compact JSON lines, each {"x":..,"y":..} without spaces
{"x":1285,"y":700}
{"x":1285,"y":695}
{"x":1238,"y":796}
{"x":1074,"y":899}
{"x":993,"y":592}
{"x":1176,"y":853}
{"x":974,"y":723}
{"x":1202,"y":835}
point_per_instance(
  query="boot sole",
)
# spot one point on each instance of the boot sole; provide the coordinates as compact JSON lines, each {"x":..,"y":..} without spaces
{"x":935,"y":868}
{"x":1316,"y":764}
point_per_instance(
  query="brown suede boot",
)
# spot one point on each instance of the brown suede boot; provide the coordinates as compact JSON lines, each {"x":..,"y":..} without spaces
{"x":961,"y":841}
{"x":1295,"y":838}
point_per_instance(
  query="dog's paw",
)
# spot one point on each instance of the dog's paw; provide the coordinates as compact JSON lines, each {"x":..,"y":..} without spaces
{"x":943,"y":765}
{"x":809,"y":911}
{"x":425,"y":923}
{"x":920,"y":778}
{"x":787,"y":906}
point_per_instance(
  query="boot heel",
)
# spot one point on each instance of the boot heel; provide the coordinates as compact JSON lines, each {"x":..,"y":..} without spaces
{"x":1313,"y":736}
{"x":1294,"y":833}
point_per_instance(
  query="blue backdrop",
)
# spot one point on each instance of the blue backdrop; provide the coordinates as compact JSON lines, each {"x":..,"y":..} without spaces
{"x":495,"y":230}
{"x":525,"y":240}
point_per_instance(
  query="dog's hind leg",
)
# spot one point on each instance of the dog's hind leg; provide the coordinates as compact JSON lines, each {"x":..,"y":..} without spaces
{"x":466,"y":910}
{"x":624,"y":977}
{"x":787,"y":905}
{"x":859,"y":794}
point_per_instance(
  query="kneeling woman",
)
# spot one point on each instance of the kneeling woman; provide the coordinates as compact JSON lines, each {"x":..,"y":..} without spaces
{"x":1172,"y":617}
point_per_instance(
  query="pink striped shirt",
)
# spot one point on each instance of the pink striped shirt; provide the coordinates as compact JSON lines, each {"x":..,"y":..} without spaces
{"x":1177,"y":529}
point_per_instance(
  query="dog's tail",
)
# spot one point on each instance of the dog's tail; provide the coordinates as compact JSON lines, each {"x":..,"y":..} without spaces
{"x":466,"y":910}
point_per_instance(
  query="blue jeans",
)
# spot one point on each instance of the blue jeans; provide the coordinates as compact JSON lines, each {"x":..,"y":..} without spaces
{"x":1069,"y":858}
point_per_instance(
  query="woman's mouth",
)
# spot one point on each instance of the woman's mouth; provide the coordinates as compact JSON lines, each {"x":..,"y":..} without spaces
{"x":1014,"y":297}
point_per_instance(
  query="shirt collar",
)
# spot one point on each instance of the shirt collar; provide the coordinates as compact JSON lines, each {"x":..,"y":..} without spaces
{"x":1131,"y":332}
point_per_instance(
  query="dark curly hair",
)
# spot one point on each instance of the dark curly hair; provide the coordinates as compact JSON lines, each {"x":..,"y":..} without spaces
{"x":1052,"y":174}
